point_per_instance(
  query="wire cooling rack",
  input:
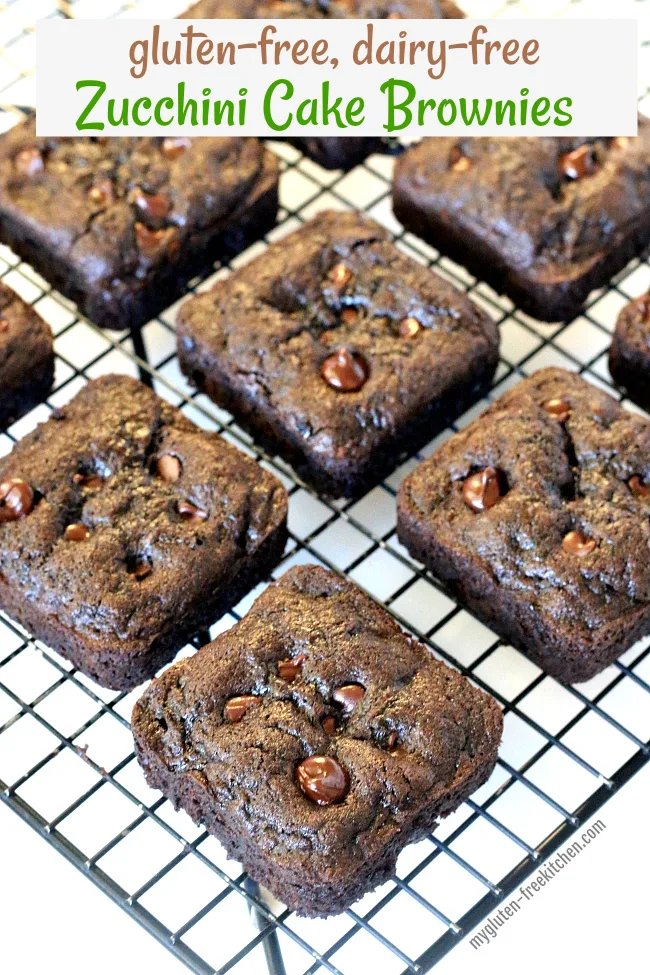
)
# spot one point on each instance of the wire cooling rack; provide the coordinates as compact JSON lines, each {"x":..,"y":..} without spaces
{"x":66,"y":759}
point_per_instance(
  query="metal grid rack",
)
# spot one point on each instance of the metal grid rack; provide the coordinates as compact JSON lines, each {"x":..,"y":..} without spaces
{"x":66,"y":761}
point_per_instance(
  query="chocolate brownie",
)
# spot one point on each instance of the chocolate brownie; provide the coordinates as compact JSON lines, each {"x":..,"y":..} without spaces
{"x":537,"y":516}
{"x":315,"y":739}
{"x":121,"y":225}
{"x":26,"y":357}
{"x":333,"y":152}
{"x":338,"y":351}
{"x":124,"y":528}
{"x":629,"y":355}
{"x":544,"y":220}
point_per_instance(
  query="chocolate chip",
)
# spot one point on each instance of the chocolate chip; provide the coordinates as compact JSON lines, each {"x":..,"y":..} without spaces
{"x":16,"y":499}
{"x":458,"y":161}
{"x":88,"y":480}
{"x":289,"y":669}
{"x":150,"y":242}
{"x":393,"y":743}
{"x":142,"y":568}
{"x":102,"y":193}
{"x":30,"y":162}
{"x":190,"y":512}
{"x":579,"y":163}
{"x":409,"y":328}
{"x":4,"y":325}
{"x":349,"y":316}
{"x":346,"y":371}
{"x":639,"y":488}
{"x":323,"y":780}
{"x":483,"y":489}
{"x":173,"y":148}
{"x":559,"y":409}
{"x":329,"y":725}
{"x":169,"y":467}
{"x":155,"y":207}
{"x":340,"y":276}
{"x":348,"y":696}
{"x":57,"y":414}
{"x":77,"y":533}
{"x":237,"y":707}
{"x":577,"y":543}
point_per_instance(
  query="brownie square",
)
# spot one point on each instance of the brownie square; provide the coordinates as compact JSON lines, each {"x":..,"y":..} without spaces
{"x":333,"y":152}
{"x":124,"y":529}
{"x":543,"y":220}
{"x":315,"y":739}
{"x":629,"y":355}
{"x":537,"y":516}
{"x":338,"y":351}
{"x":26,"y":357}
{"x":120,"y":225}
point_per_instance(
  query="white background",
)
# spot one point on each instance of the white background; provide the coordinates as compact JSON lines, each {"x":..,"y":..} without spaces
{"x":594,"y":63}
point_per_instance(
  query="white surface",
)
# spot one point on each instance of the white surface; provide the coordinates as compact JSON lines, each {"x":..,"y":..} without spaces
{"x":53,"y":920}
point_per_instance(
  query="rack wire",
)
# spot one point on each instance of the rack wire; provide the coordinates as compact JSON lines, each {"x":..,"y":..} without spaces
{"x":66,"y":760}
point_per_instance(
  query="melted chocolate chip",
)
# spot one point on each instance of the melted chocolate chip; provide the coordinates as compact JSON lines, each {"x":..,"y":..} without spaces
{"x":289,"y":669}
{"x":340,"y":276}
{"x":88,"y":480}
{"x":458,"y":161}
{"x":346,"y":371}
{"x":349,"y":696}
{"x":30,"y":162}
{"x":639,"y":488}
{"x":141,"y":569}
{"x":577,"y":543}
{"x":173,"y":148}
{"x":349,"y":316}
{"x":102,"y":193}
{"x":4,"y":325}
{"x":16,"y":499}
{"x":483,"y":489}
{"x":329,"y":725}
{"x":323,"y":780}
{"x":77,"y":533}
{"x":409,"y":327}
{"x":149,"y":241}
{"x":169,"y":467}
{"x":190,"y":512}
{"x":559,"y":409}
{"x":237,"y":707}
{"x":154,"y":207}
{"x":393,"y":743}
{"x":579,"y":163}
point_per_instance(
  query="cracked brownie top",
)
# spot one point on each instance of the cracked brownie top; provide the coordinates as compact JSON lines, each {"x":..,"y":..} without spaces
{"x":319,"y":730}
{"x":319,"y":9}
{"x":118,"y":513}
{"x":336,"y":337}
{"x":116,"y":209}
{"x":551,"y":206}
{"x":549,"y":492}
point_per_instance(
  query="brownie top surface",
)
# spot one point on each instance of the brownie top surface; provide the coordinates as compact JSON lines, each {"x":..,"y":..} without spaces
{"x":551,"y":206}
{"x":338,"y":285}
{"x":323,"y":9}
{"x":22,"y":332}
{"x":135,"y":512}
{"x":116,"y":209}
{"x":633,"y":327}
{"x":563,"y":520}
{"x":412,"y":731}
